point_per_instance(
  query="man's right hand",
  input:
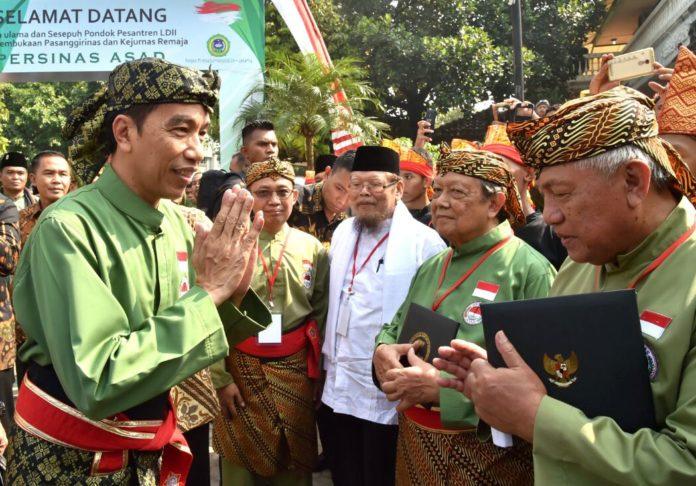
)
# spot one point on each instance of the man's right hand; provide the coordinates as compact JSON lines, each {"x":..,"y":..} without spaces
{"x":222,"y":255}
{"x":230,"y":398}
{"x":387,"y":357}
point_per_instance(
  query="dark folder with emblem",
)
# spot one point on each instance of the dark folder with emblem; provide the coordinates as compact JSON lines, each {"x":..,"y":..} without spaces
{"x":429,"y":329}
{"x":587,"y":349}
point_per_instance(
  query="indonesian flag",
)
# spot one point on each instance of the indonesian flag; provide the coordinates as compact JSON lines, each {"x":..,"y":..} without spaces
{"x":219,"y":11}
{"x":304,"y":29}
{"x":486,"y":290}
{"x":654,"y":324}
{"x":182,"y":260}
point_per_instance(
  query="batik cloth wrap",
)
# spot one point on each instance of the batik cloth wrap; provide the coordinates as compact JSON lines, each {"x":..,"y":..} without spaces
{"x":143,"y":82}
{"x":276,"y":431}
{"x":273,"y":168}
{"x":429,"y":454}
{"x":489,"y":167}
{"x":589,"y":126}
{"x":678,"y":113}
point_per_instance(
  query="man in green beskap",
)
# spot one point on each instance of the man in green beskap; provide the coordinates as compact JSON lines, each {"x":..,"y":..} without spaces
{"x":619,"y":199}
{"x":118,"y":303}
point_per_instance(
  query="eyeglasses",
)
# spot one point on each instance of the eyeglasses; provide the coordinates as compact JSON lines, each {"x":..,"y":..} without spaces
{"x":372,"y":187}
{"x":266,"y":194}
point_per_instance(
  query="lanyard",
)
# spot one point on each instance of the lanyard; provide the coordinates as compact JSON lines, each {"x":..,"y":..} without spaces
{"x":656,"y":262}
{"x":463,"y":278}
{"x":355,"y":258}
{"x":272,"y":278}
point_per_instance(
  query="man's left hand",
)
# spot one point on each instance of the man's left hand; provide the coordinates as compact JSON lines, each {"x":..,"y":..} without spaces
{"x":505,"y":398}
{"x":414,"y":385}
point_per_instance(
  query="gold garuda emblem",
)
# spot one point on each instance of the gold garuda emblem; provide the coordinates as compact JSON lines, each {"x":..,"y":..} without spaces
{"x":561,"y":369}
{"x":422,"y":345}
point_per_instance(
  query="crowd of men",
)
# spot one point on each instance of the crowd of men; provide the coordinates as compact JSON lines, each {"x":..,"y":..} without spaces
{"x":155,"y":300}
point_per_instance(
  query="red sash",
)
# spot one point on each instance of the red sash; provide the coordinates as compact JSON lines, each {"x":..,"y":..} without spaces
{"x":424,"y":417}
{"x":306,"y":335}
{"x":43,"y":416}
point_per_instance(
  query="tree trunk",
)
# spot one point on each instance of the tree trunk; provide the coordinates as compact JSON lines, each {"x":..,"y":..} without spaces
{"x":309,"y":151}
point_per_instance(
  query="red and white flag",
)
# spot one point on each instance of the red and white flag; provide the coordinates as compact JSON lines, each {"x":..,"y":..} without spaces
{"x":486,"y":290}
{"x":305,"y":30}
{"x":654,"y":324}
{"x":219,"y":11}
{"x":182,"y":260}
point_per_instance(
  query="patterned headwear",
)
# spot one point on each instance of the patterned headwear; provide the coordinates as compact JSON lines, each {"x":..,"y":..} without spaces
{"x":489,"y":167}
{"x":590,"y":126}
{"x":273,"y":168}
{"x":496,"y":134}
{"x":143,"y":82}
{"x":411,"y":160}
{"x":461,"y":144}
{"x":678,"y":113}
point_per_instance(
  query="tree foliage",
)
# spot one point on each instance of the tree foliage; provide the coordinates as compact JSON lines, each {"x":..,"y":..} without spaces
{"x":36,"y":113}
{"x":449,"y":54}
{"x":298,"y":97}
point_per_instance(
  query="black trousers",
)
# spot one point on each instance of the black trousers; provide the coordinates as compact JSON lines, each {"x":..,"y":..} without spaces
{"x":7,"y":378}
{"x":198,"y":442}
{"x":359,"y":452}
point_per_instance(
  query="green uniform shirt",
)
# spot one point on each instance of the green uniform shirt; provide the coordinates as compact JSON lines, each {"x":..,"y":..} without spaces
{"x":517,"y":268}
{"x":97,"y":291}
{"x":301,"y":289}
{"x":571,"y":449}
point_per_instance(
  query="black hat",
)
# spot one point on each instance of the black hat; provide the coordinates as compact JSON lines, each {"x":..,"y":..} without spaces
{"x":374,"y":158}
{"x":14,"y":159}
{"x":324,"y":161}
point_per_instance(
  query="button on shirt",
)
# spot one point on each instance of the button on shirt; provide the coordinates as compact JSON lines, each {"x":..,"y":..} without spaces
{"x":349,"y":387}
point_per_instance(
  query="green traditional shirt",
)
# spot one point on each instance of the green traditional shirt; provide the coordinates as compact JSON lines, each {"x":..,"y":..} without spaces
{"x":518,"y":270}
{"x":301,"y":289}
{"x":571,"y":449}
{"x":97,"y":291}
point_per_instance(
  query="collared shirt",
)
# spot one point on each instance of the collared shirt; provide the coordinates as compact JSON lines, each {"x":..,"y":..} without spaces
{"x":422,"y":215}
{"x":516,"y":269}
{"x":300,"y":291}
{"x":24,"y":200}
{"x":97,"y":291}
{"x":349,"y":388}
{"x":9,"y":253}
{"x":308,"y":214}
{"x":570,"y":448}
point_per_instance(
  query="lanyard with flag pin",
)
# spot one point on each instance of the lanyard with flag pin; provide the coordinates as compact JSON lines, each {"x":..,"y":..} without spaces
{"x":437,"y":302}
{"x":344,"y":308}
{"x":273,"y":334}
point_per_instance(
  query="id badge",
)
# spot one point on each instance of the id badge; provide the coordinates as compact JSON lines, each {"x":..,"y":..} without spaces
{"x":343,"y":317}
{"x":273,"y":334}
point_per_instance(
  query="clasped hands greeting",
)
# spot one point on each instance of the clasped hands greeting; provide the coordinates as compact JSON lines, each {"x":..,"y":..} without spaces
{"x":224,"y":253}
{"x":506,"y":398}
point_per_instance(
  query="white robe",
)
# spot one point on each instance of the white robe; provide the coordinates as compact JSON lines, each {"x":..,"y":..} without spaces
{"x":349,"y":388}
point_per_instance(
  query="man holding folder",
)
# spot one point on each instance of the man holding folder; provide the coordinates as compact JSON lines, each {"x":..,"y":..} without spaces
{"x":618,"y":197}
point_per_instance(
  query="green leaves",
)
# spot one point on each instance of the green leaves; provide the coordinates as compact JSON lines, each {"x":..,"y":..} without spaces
{"x":36,"y":112}
{"x":298,"y":98}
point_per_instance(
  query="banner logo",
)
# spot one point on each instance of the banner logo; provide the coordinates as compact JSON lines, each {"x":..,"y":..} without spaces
{"x":218,"y":45}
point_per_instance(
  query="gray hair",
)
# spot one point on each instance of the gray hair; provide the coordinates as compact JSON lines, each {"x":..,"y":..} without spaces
{"x":609,"y":162}
{"x":489,"y":190}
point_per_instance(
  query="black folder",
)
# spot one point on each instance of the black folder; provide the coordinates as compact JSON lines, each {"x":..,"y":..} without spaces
{"x":429,"y":329}
{"x":587,"y":349}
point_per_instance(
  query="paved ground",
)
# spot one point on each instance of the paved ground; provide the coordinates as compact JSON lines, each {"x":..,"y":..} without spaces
{"x":320,"y":479}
